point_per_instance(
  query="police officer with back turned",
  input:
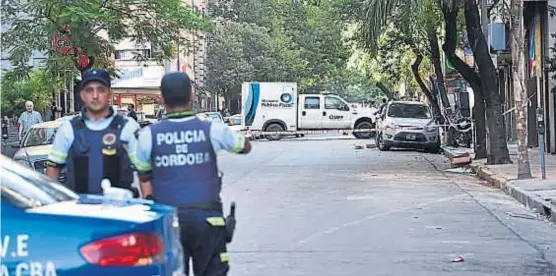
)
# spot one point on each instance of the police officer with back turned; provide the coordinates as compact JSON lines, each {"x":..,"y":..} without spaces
{"x":176,"y":160}
{"x":93,"y":145}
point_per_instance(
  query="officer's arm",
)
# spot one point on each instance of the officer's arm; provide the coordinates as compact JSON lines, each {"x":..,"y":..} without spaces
{"x":60,"y":148}
{"x":140,"y":155}
{"x":224,"y":137}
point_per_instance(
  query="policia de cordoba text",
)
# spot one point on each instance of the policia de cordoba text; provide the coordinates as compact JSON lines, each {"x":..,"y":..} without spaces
{"x":181,"y":139}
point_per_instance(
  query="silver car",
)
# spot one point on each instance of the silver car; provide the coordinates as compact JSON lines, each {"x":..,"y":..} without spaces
{"x":37,"y":144}
{"x":407,"y":124}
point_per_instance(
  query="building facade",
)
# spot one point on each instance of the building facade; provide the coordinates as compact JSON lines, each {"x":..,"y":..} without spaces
{"x":139,"y":82}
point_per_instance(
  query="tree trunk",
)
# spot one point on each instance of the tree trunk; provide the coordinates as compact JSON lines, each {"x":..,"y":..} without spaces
{"x":435,"y":58}
{"x":469,"y":74}
{"x":498,"y":147}
{"x":520,"y":95}
{"x":424,"y":88}
{"x":385,"y":90}
{"x":434,"y":103}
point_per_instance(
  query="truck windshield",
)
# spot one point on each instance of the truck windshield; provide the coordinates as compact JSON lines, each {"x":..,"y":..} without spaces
{"x":413,"y":111}
{"x":26,"y":189}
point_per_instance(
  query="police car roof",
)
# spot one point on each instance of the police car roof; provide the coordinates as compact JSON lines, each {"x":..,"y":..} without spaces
{"x":53,"y":124}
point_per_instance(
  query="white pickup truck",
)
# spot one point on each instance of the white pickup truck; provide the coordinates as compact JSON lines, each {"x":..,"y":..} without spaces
{"x":277,"y":107}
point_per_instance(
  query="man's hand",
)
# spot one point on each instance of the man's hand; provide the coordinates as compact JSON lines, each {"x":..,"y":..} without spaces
{"x":53,"y":172}
{"x":247,"y":148}
{"x":146,"y":188}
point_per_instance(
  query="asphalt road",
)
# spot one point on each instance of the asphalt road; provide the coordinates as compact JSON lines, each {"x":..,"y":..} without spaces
{"x":326,"y":208}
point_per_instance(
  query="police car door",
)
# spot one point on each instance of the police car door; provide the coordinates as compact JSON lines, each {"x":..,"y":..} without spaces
{"x":337,"y":113}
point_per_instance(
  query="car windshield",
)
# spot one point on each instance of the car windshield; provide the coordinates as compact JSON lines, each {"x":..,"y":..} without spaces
{"x":26,"y":189}
{"x":413,"y":111}
{"x":215,"y":117}
{"x":39,"y":136}
{"x":234,"y":121}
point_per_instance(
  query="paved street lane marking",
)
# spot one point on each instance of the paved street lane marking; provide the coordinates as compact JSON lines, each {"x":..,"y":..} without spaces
{"x":375,"y":216}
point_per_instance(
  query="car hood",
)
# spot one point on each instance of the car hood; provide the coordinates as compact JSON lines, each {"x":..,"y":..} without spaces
{"x":89,"y":206}
{"x":36,"y":152}
{"x":411,"y":121}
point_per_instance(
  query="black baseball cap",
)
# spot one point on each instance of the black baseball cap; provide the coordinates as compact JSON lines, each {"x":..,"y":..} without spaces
{"x":99,"y":75}
{"x":176,"y":87}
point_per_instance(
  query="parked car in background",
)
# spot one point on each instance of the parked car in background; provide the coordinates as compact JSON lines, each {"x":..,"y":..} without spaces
{"x":234,"y":120}
{"x":49,"y":230}
{"x":35,"y":146}
{"x":407,"y":124}
{"x":212,"y":116}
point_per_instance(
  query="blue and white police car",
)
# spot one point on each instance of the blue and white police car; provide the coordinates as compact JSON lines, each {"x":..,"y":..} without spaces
{"x":49,"y":230}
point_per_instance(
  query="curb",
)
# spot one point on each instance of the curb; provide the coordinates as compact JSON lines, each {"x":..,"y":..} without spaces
{"x":529,"y":199}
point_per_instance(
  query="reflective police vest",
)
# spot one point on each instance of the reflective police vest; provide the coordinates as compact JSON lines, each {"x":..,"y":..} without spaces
{"x":184,"y":169}
{"x":96,"y":155}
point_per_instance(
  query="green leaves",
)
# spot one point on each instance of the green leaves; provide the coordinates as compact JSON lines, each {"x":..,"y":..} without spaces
{"x":279,"y":41}
{"x":95,"y":26}
{"x":36,"y":87}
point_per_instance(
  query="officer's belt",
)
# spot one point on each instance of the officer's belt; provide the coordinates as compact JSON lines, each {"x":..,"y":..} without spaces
{"x":206,"y":206}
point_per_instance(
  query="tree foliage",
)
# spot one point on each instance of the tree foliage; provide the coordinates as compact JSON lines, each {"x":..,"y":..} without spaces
{"x":37,"y":87}
{"x":296,"y":42}
{"x":95,"y":26}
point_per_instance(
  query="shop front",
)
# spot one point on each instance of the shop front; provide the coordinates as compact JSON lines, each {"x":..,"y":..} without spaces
{"x":139,"y":86}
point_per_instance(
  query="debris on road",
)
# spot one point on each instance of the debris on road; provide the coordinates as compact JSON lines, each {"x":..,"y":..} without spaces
{"x":525,"y":216}
{"x":459,"y":259}
{"x":462,"y":170}
{"x":371,"y":146}
{"x":358,"y":147}
{"x":461,"y":160}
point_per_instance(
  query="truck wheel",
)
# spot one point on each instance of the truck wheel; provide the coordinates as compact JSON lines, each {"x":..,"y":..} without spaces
{"x":274,"y":128}
{"x":364,"y":135}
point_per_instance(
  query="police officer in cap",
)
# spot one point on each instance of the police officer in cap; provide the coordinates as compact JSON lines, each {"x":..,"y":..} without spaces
{"x":93,"y":145}
{"x":176,"y":160}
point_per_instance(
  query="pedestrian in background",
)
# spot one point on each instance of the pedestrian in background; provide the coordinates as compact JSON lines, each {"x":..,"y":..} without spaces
{"x":177,"y":164}
{"x":131,"y":112}
{"x":27,"y":119}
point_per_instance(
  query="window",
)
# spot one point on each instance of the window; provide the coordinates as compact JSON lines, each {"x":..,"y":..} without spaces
{"x":39,"y":136}
{"x":312,"y":103}
{"x":132,"y":54}
{"x":333,"y":103}
{"x":24,"y":188}
{"x":414,"y":111}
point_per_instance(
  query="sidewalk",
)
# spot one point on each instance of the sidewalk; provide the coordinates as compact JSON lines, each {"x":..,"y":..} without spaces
{"x":534,"y":193}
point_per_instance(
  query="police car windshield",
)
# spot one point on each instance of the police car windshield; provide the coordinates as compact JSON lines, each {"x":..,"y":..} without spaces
{"x":39,"y":136}
{"x":26,"y":189}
